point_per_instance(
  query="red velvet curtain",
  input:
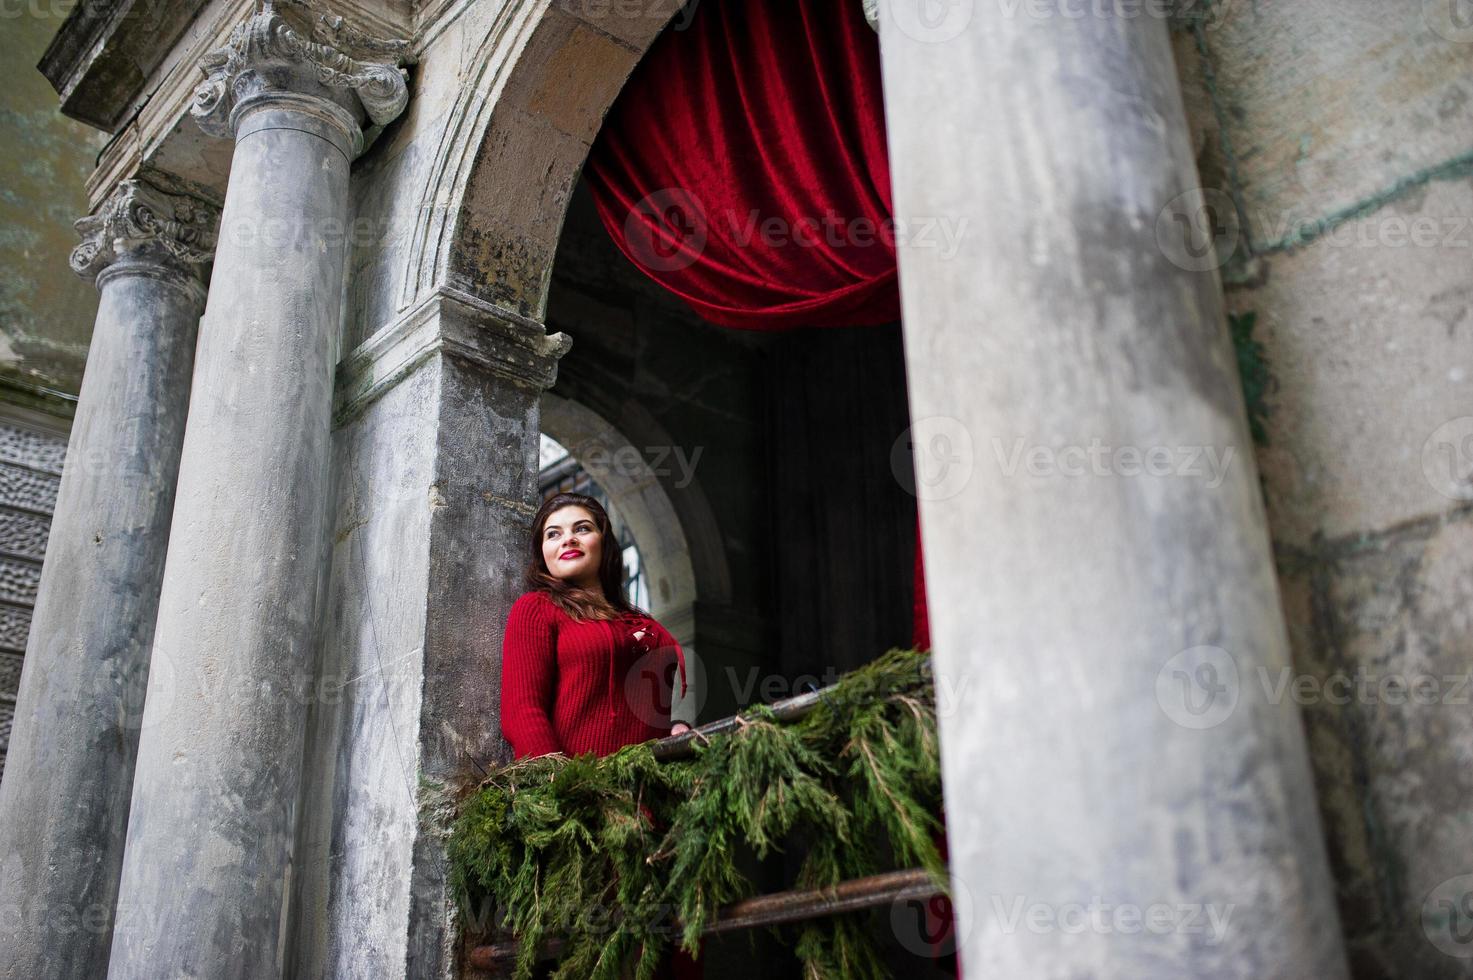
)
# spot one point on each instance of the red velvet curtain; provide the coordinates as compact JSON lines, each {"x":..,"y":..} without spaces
{"x":744,"y":169}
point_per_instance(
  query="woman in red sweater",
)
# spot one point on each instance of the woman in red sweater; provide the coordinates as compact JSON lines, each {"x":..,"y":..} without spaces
{"x":582,"y":668}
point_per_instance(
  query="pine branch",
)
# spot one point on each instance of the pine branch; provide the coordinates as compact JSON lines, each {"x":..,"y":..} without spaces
{"x":554,"y":838}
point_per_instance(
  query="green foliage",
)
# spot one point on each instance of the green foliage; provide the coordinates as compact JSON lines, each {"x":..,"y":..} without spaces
{"x":1253,"y":368}
{"x":607,"y":853}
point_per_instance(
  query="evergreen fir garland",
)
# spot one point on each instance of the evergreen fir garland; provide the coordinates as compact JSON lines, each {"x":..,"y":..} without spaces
{"x":606,"y":853}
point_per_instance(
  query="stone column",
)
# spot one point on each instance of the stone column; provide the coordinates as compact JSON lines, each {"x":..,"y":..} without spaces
{"x":1126,"y":794}
{"x":209,"y":851}
{"x":436,"y":452}
{"x":64,"y":800}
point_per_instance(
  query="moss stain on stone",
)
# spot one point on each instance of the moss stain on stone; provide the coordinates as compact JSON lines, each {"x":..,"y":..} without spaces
{"x":46,"y":312}
{"x":1229,"y":155}
{"x":1253,"y":370}
{"x":1305,"y":232}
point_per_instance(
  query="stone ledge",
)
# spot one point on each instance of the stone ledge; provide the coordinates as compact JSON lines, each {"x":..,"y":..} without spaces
{"x":153,"y":128}
{"x":103,"y":55}
{"x":447,"y":322}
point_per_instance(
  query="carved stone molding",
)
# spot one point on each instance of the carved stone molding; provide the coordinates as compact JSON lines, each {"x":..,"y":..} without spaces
{"x":140,"y":219}
{"x":288,"y":46}
{"x":456,"y":324}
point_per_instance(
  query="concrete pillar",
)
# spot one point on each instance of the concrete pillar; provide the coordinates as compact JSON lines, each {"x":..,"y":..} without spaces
{"x":436,"y":455}
{"x":209,"y":850}
{"x":64,"y":799}
{"x":1125,"y":795}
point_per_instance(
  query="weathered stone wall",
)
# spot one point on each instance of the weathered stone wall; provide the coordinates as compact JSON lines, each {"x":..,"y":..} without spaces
{"x":46,"y":313}
{"x":32,"y":451}
{"x":46,"y":316}
{"x":1341,"y":134}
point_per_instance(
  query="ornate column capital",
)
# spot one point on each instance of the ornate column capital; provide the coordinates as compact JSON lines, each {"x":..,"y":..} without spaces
{"x":174,"y":234}
{"x":289,"y":51}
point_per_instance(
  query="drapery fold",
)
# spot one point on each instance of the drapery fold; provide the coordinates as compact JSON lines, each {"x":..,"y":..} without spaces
{"x":744,"y":169}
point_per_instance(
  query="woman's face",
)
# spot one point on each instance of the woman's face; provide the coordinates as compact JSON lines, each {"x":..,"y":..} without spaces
{"x":572,"y":546}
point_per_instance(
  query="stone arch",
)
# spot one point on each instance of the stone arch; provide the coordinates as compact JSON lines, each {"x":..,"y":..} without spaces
{"x":526,"y":110}
{"x":620,"y":463}
{"x":634,"y":488}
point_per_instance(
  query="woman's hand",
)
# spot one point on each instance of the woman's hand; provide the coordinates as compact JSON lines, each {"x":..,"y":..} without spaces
{"x":679,"y":727}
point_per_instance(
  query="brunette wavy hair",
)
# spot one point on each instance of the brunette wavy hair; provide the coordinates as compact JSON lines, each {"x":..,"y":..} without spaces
{"x":577,"y":602}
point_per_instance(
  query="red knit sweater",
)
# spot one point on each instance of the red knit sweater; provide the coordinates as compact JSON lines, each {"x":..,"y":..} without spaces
{"x":575,"y":687}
